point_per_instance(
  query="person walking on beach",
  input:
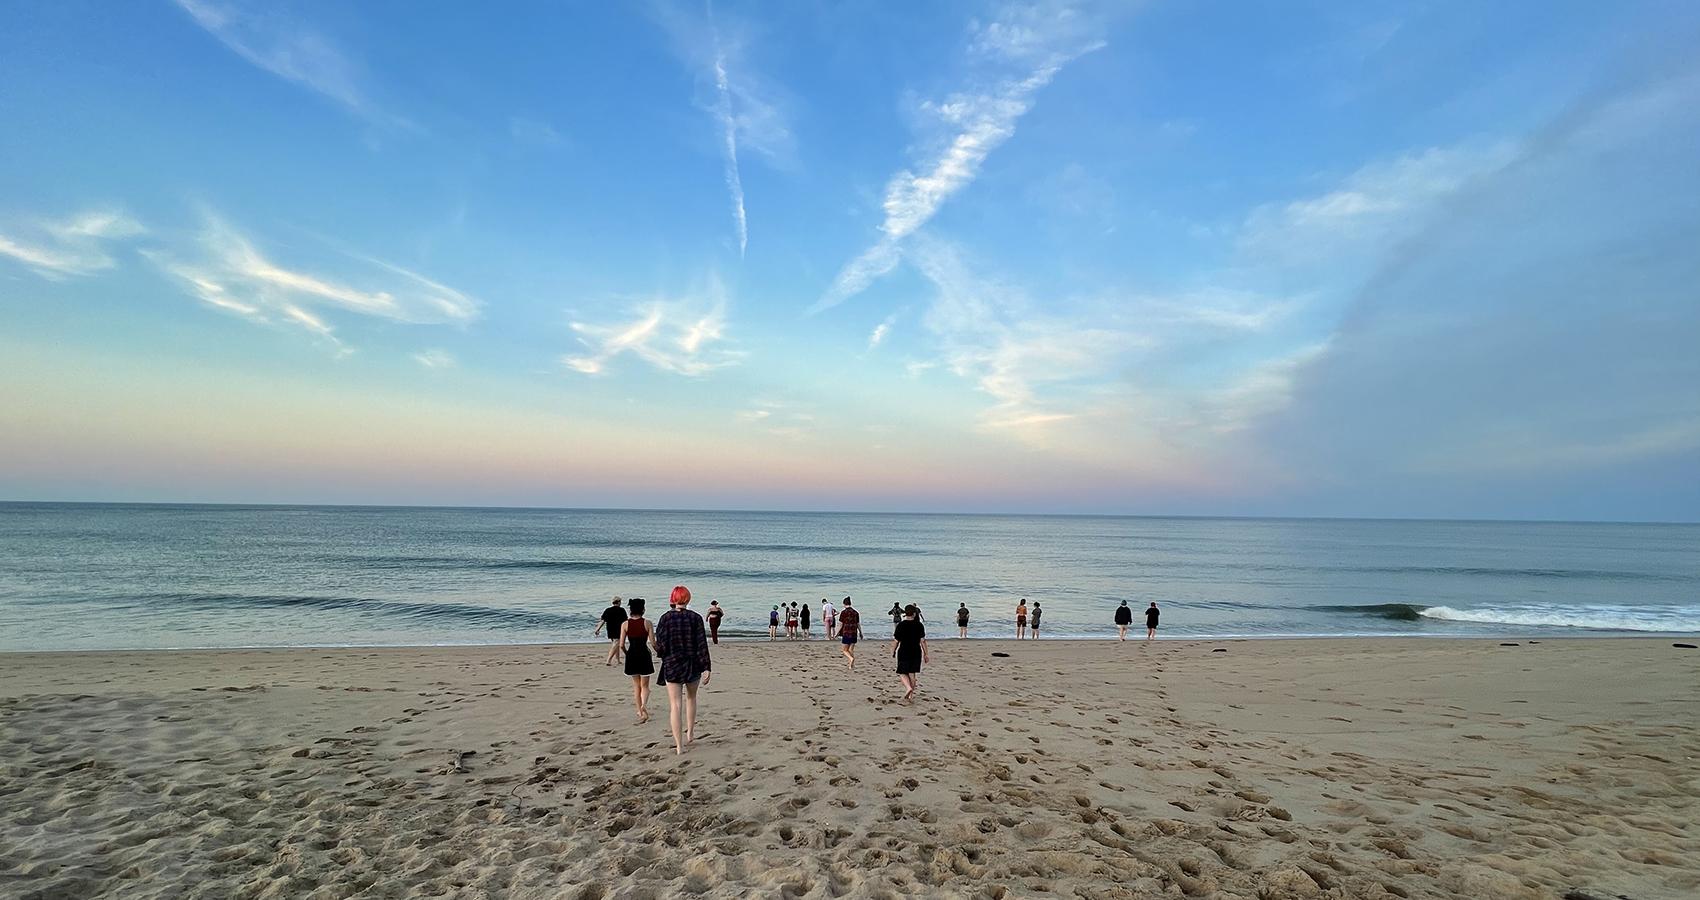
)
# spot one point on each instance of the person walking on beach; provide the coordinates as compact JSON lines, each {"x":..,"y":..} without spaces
{"x":1021,"y":619}
{"x":1124,"y":618}
{"x":909,"y":645}
{"x":828,"y":618}
{"x":962,"y":620}
{"x":773,"y":624}
{"x":1036,"y":613}
{"x":682,"y":643}
{"x":849,"y":631}
{"x":896,"y":615}
{"x":714,"y":615}
{"x":611,"y":619}
{"x":1151,"y":615}
{"x":634,"y":633}
{"x":804,"y":620}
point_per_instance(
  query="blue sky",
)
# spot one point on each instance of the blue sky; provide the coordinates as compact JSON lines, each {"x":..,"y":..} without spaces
{"x":1386,"y":259}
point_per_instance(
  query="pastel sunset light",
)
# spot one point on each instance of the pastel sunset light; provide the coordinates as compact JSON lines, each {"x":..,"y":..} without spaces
{"x":1383,"y":259}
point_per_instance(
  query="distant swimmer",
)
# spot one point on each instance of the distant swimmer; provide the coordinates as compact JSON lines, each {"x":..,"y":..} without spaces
{"x":1021,"y":619}
{"x":612,"y":618}
{"x":849,"y":631}
{"x":962,"y":620}
{"x":1036,"y":613}
{"x":1151,"y":615}
{"x":1124,"y":618}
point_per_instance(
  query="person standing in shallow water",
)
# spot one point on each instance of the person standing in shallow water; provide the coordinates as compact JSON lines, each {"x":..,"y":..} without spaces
{"x":1151,"y":616}
{"x":849,"y":631}
{"x":773,"y":624}
{"x":1021,"y":619}
{"x":1036,"y":613}
{"x":715,"y":614}
{"x":634,"y":633}
{"x":962,"y":620}
{"x":828,"y":619}
{"x":896,"y":615}
{"x":1124,"y":618}
{"x":803,"y":619}
{"x":909,"y":645}
{"x":682,"y":643}
{"x":611,"y":619}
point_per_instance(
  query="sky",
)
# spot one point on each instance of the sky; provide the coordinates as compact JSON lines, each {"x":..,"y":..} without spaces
{"x":1435,"y":259}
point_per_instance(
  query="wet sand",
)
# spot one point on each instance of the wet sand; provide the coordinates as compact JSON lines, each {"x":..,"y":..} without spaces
{"x":1276,"y":769}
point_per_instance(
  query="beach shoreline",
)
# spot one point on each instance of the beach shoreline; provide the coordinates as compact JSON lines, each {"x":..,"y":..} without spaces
{"x":1325,"y":767}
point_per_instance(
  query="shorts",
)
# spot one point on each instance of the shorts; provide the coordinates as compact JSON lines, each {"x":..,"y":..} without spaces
{"x":848,"y":639}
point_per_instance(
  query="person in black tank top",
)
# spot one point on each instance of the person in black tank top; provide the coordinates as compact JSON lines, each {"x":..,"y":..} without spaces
{"x":635,"y":634}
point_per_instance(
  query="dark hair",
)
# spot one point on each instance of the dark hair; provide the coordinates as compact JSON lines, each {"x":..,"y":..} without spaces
{"x":846,"y":601}
{"x":912,"y":610}
{"x":636,"y":605}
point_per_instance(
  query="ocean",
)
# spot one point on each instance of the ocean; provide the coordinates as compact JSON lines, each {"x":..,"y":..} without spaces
{"x":99,"y":576}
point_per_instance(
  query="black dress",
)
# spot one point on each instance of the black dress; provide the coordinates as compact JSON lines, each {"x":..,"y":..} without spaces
{"x":638,"y":660}
{"x":909,"y":636}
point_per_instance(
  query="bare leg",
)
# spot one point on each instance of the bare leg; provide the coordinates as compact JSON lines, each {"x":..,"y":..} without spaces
{"x":1150,"y":633}
{"x":691,"y":711}
{"x":637,"y":698}
{"x":1121,"y":632}
{"x":613,"y":651}
{"x":644,"y":703}
{"x":909,"y":684}
{"x":675,"y":707}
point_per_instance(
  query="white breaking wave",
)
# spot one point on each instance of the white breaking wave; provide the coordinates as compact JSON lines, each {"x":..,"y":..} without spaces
{"x":1605,"y":618}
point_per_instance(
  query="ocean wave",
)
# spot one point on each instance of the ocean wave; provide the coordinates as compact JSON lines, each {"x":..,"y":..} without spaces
{"x":1399,"y":612}
{"x":461,"y":613}
{"x":1598,"y":618}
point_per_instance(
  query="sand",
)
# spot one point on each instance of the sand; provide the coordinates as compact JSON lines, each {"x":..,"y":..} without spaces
{"x":1276,"y":769}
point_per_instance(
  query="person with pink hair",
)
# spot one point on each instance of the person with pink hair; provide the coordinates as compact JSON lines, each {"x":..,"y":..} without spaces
{"x":681,"y":641}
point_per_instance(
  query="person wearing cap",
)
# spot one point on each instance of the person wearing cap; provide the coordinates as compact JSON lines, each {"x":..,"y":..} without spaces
{"x":773,"y":624}
{"x":1124,"y":618}
{"x":962,"y":620}
{"x":612,"y":618}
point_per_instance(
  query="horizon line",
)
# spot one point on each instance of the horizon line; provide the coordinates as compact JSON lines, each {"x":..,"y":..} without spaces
{"x":834,"y":512}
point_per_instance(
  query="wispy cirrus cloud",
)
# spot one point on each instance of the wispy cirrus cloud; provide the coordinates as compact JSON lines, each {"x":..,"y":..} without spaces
{"x":1027,"y":361}
{"x":225,"y":269}
{"x":272,"y":40}
{"x":58,"y":249}
{"x":1034,"y":40}
{"x":742,"y":104}
{"x":436,"y":359}
{"x":683,"y":335}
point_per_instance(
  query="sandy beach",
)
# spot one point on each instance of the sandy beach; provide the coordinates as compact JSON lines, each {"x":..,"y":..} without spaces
{"x":1272,"y":769}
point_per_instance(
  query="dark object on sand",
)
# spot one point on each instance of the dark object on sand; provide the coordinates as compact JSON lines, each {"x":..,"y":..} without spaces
{"x":1686,"y":646}
{"x":1509,"y":644}
{"x":1579,"y":894}
{"x":460,"y":761}
{"x":996,"y":653}
{"x":1220,"y":650}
